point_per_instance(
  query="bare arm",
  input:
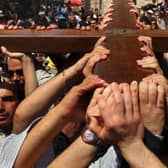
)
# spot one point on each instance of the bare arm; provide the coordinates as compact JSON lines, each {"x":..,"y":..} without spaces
{"x":39,"y":101}
{"x":29,"y":75}
{"x":139,"y":156}
{"x":67,"y":110}
{"x":28,"y":69}
{"x":43,"y":96}
{"x":125,"y":127}
{"x":79,"y":154}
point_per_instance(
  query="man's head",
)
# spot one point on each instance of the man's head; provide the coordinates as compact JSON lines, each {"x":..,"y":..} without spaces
{"x":15,"y":70}
{"x":8,"y":104}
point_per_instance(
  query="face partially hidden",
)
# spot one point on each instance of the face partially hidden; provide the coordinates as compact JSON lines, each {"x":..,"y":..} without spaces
{"x":15,"y":70}
{"x":8,"y":104}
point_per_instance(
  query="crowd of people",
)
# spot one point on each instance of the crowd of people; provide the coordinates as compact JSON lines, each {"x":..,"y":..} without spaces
{"x":53,"y":16}
{"x":154,"y":15}
{"x":120,"y":125}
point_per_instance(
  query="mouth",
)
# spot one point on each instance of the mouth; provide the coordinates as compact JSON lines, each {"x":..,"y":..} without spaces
{"x":3,"y":116}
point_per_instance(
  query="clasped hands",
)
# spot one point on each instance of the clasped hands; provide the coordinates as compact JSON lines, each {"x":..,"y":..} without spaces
{"x":118,"y":113}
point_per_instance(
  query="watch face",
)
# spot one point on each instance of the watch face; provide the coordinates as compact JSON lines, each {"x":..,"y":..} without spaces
{"x":89,"y":136}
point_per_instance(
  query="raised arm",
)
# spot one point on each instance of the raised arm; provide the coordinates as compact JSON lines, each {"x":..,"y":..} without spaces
{"x":30,"y":80}
{"x":41,"y":135}
{"x":44,"y":95}
{"x":78,"y":154}
{"x":124,"y":127}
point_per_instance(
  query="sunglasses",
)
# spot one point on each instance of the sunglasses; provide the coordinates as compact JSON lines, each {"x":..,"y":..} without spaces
{"x":18,"y":72}
{"x":8,"y":98}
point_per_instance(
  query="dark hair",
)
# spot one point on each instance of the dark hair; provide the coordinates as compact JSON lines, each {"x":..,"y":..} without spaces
{"x":146,"y":20}
{"x":9,"y":86}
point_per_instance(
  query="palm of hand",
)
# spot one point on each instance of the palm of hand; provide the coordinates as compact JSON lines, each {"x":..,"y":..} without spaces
{"x":11,"y":54}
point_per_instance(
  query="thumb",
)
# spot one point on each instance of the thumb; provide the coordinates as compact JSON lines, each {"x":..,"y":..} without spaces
{"x":100,"y":41}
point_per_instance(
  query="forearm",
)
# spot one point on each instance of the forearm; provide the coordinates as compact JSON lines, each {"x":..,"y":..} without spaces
{"x":79,"y":154}
{"x":40,"y":137}
{"x":29,"y":75}
{"x":40,"y":100}
{"x":138,"y":156}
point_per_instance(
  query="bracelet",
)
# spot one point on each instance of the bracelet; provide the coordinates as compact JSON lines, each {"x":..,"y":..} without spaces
{"x":65,"y":80}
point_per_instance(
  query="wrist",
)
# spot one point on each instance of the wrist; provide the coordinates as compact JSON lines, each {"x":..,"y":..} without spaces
{"x":159,"y":70}
{"x":130,"y":151}
{"x":72,"y":76}
{"x":80,"y":65}
{"x":70,"y":73}
{"x":130,"y":147}
{"x":26,"y":58}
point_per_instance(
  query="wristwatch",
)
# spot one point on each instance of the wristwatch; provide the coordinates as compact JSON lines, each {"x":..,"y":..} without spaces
{"x":89,"y":137}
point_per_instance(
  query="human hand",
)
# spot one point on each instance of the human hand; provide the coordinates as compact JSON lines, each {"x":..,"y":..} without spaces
{"x":71,"y":129}
{"x":133,"y":7}
{"x":145,"y":40}
{"x":157,"y":79}
{"x":139,"y":24}
{"x":87,"y":63}
{"x":10,"y":54}
{"x":74,"y":103}
{"x":107,"y":18}
{"x":149,"y":60}
{"x":93,"y":110}
{"x":162,"y":81}
{"x":120,"y":118}
{"x":151,"y":98}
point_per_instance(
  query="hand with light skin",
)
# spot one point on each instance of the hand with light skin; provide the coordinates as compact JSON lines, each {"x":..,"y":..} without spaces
{"x":10,"y":54}
{"x":161,"y":81}
{"x":74,"y":98}
{"x":107,"y":18}
{"x":139,"y":24}
{"x":158,"y":79}
{"x":146,"y":40}
{"x":121,"y":123}
{"x":54,"y":87}
{"x":87,"y":63}
{"x":71,"y":129}
{"x":146,"y":45}
{"x":151,"y":98}
{"x":149,"y":60}
{"x":70,"y":109}
{"x":124,"y":125}
{"x":26,"y":63}
{"x":133,"y":8}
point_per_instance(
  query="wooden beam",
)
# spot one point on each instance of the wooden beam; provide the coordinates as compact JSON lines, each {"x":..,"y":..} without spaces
{"x":52,"y":41}
{"x":159,"y":39}
{"x":68,"y":40}
{"x":121,"y":39}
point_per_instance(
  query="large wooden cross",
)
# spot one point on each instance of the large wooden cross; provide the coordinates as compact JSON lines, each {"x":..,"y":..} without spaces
{"x":121,"y":39}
